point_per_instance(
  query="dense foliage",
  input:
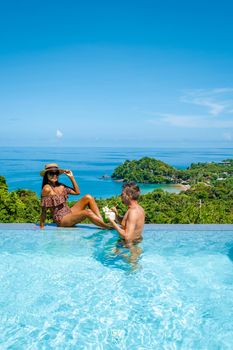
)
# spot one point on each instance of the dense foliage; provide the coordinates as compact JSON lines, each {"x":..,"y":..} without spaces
{"x":147,"y":170}
{"x":201,"y":204}
{"x":18,"y":206}
{"x":150,"y":170}
{"x":207,"y":201}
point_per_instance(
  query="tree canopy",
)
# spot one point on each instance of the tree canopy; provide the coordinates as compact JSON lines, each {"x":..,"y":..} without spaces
{"x":209,"y":199}
{"x":150,"y":170}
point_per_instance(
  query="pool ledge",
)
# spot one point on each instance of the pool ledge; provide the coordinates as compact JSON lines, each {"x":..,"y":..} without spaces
{"x":157,"y":227}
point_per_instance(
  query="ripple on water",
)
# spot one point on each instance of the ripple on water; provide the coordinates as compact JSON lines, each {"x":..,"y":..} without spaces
{"x":70,"y":290}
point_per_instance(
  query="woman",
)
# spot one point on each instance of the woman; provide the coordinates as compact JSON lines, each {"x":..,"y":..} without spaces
{"x":54,"y":197}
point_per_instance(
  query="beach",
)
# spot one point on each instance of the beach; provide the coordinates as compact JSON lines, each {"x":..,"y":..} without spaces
{"x":21,"y":165}
{"x":182,"y":187}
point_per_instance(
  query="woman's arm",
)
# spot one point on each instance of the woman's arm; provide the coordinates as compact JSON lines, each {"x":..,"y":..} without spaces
{"x":43,"y":217}
{"x":45,"y":193}
{"x":75,"y":189}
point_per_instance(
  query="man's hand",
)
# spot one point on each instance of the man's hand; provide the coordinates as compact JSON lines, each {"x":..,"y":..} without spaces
{"x":114,"y":209}
{"x":116,"y":226}
{"x":111,"y":220}
{"x":119,"y":218}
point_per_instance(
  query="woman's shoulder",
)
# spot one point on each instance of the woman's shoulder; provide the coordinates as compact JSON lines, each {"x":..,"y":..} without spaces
{"x":46,"y":191}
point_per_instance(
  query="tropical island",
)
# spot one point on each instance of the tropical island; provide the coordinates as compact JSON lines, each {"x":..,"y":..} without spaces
{"x":208,"y":200}
{"x":152,"y":171}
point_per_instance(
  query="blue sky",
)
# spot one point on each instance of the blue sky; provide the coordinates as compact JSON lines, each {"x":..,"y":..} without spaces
{"x":116,"y":73}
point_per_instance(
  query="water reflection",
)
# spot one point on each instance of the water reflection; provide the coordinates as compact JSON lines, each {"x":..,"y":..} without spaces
{"x":230,"y":254}
{"x":111,"y":252}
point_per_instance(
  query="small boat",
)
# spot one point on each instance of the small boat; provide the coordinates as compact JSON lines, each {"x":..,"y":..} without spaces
{"x":105,"y":177}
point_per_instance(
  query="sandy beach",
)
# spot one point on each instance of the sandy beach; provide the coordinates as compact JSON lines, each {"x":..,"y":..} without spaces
{"x":182,"y":187}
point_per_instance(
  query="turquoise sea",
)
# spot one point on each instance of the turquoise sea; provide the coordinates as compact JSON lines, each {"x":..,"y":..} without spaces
{"x":21,"y":165}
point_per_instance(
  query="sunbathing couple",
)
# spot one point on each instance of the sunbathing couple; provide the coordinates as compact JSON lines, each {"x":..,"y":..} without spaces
{"x":54,"y":197}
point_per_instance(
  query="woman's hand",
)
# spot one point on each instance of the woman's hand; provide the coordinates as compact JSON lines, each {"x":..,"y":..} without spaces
{"x":68,"y":173}
{"x":75,"y":189}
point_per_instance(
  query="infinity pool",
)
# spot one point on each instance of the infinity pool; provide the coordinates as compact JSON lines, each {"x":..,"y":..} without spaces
{"x":71,"y":289}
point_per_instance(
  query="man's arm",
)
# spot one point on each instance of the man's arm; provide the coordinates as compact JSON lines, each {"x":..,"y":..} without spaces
{"x":118,"y":217}
{"x":128,"y":232}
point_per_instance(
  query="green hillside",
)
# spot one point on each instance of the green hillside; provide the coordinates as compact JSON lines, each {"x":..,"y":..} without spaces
{"x":150,"y":170}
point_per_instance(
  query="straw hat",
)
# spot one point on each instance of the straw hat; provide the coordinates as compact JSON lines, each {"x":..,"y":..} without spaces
{"x":51,"y":167}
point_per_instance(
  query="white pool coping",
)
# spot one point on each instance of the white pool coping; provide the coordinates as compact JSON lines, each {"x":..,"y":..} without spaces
{"x":148,"y":227}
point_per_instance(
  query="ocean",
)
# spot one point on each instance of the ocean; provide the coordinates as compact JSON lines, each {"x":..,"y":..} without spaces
{"x":21,"y":165}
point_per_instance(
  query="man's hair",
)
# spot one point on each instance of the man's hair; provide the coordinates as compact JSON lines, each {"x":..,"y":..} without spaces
{"x":132,"y":190}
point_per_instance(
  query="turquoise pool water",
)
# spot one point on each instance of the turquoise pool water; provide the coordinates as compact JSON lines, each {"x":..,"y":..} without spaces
{"x":70,"y":290}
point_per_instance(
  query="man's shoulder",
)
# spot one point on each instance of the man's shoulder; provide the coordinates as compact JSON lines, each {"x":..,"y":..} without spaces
{"x":139,"y":208}
{"x":135,"y":211}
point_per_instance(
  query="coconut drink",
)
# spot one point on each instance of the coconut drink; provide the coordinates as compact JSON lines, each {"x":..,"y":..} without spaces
{"x":108,"y":214}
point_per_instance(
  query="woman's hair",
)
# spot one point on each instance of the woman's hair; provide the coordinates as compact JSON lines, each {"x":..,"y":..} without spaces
{"x":45,"y":180}
{"x":132,"y":190}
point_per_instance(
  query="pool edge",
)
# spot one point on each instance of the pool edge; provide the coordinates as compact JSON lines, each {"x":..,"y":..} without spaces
{"x":157,"y":227}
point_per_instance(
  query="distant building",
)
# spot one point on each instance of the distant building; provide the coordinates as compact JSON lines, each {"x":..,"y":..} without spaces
{"x":224,"y":163}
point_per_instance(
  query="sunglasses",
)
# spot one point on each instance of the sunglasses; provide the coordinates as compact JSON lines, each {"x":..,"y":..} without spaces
{"x":53,"y":173}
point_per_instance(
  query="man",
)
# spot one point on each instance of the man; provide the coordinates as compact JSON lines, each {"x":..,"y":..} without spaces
{"x":133,"y":221}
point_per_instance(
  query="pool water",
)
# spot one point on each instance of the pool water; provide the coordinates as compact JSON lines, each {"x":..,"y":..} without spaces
{"x":71,"y":289}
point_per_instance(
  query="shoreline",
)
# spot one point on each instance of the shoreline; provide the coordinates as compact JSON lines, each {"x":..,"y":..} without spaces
{"x":166,"y":187}
{"x":182,"y":187}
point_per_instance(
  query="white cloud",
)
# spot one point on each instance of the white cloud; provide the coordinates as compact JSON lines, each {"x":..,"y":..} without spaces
{"x":59,"y":134}
{"x":217,"y":100}
{"x":221,"y":90}
{"x":227,"y":136}
{"x":190,"y":121}
{"x":214,"y":108}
